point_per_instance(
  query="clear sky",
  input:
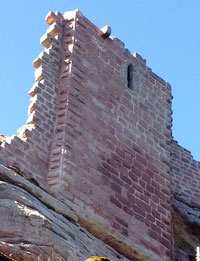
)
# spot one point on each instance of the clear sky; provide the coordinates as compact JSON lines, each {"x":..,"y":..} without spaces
{"x":164,"y":32}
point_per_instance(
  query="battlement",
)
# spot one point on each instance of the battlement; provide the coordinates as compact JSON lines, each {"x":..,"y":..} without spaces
{"x":99,"y":134}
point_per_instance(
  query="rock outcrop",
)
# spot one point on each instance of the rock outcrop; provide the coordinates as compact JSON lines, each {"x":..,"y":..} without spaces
{"x":38,"y":225}
{"x":186,"y":227}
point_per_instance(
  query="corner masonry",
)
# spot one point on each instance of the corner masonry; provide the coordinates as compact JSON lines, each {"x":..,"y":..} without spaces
{"x":111,"y":147}
{"x":30,"y":150}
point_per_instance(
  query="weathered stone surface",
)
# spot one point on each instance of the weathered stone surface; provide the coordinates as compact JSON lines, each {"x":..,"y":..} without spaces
{"x":185,"y":184}
{"x":180,"y":255}
{"x":36,"y":225}
{"x":186,"y":227}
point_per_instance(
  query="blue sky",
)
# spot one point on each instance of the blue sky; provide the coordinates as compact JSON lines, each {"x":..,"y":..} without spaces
{"x":166,"y":33}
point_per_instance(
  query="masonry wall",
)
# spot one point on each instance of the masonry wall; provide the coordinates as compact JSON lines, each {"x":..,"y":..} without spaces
{"x":185,"y":175}
{"x":100,"y":136}
{"x":185,"y":182}
{"x":29,"y":151}
{"x":112,"y":159}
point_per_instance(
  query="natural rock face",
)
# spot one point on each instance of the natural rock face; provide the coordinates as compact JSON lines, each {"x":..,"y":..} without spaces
{"x":36,"y":225}
{"x":186,"y":227}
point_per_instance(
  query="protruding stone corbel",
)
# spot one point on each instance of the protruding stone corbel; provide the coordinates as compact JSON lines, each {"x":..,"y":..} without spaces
{"x":50,"y":18}
{"x":105,"y":31}
{"x":33,"y":91}
{"x":46,"y":40}
{"x":36,"y":63}
{"x":39,"y":74}
{"x":31,"y":118}
{"x":54,"y":29}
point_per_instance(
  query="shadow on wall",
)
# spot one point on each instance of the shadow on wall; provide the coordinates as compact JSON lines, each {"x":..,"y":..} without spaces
{"x":4,"y":258}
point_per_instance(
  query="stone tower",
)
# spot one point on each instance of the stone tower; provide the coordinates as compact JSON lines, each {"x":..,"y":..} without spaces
{"x":96,"y":158}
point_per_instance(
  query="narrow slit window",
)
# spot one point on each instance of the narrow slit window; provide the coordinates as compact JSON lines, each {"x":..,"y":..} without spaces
{"x":130,"y":76}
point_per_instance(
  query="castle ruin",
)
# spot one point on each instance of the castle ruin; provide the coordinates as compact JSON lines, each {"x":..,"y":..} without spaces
{"x":95,"y":170}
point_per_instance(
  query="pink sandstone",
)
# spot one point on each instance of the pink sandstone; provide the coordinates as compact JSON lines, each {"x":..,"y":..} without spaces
{"x":95,"y":170}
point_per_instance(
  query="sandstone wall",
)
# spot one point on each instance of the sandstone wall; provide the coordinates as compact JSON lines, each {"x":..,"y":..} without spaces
{"x":185,"y":175}
{"x":30,"y":150}
{"x":111,"y":149}
{"x":99,"y":134}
